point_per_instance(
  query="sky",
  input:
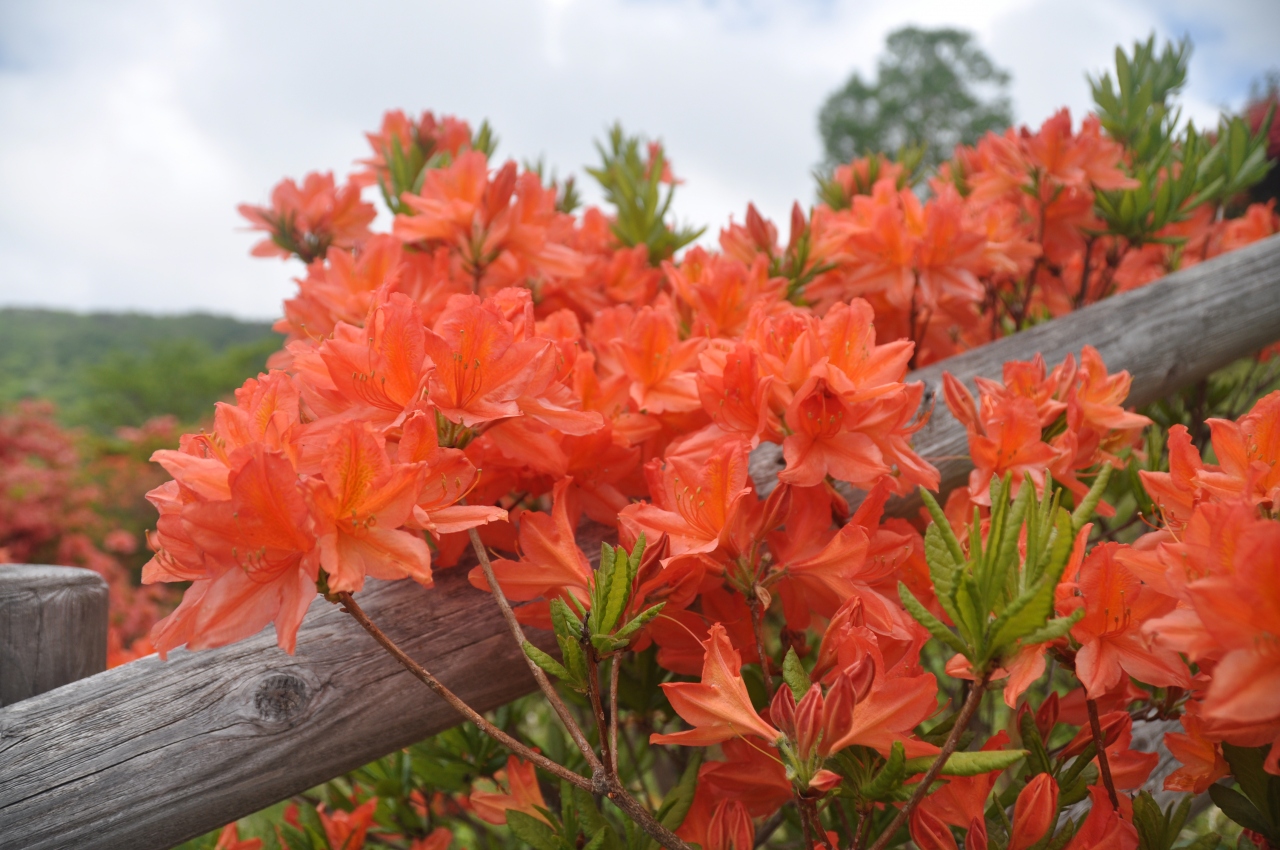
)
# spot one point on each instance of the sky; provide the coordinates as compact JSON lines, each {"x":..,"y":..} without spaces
{"x":129,"y":131}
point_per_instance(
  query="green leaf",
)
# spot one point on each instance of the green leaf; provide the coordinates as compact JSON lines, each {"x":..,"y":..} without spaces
{"x":532,"y":831}
{"x":889,"y":777}
{"x":1037,"y":755}
{"x":545,"y":661}
{"x":969,"y":763}
{"x":1054,"y":629}
{"x":617,"y":596}
{"x":1237,"y":807}
{"x":944,"y":526}
{"x":942,"y":567}
{"x":936,"y":627}
{"x":678,"y":800}
{"x":639,"y":621}
{"x":1084,"y":511}
{"x":794,"y":674}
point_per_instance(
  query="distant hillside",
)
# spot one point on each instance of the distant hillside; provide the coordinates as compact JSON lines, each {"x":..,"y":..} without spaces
{"x":109,"y":369}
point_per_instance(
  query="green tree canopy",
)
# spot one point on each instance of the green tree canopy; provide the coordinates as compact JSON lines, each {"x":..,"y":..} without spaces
{"x":934,"y":87}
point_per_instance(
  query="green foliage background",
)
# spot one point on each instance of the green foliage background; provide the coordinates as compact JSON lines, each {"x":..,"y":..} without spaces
{"x":105,"y":370}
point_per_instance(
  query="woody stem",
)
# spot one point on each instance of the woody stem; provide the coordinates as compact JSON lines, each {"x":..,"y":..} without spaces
{"x":597,"y":708}
{"x":638,"y":813}
{"x":350,"y":606}
{"x":613,"y":711}
{"x":757,"y":626}
{"x":540,"y":677}
{"x":967,"y":711}
{"x":1100,"y":743}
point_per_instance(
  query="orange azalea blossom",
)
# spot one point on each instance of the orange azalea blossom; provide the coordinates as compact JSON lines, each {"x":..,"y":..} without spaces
{"x":515,"y":789}
{"x":359,"y":506}
{"x":1202,"y":761}
{"x":551,"y":564}
{"x":305,"y":220}
{"x":1113,"y":644}
{"x":694,"y":499}
{"x":1228,"y":625}
{"x":1104,"y":828}
{"x":252,"y":556}
{"x":751,"y":773}
{"x":498,"y":225}
{"x":718,"y":707}
{"x":429,"y":135}
{"x":347,"y":829}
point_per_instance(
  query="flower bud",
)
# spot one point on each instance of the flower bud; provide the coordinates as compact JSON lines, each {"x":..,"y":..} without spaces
{"x":782,"y":712}
{"x":1035,"y":812}
{"x":929,"y":832}
{"x":862,"y":674}
{"x":731,"y":828}
{"x":809,"y":721}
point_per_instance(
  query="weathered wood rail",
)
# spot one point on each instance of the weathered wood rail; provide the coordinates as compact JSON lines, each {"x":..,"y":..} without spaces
{"x":53,"y":628}
{"x":152,"y":753}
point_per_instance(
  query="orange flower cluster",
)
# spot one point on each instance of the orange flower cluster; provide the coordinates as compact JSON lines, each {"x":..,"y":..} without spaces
{"x":499,"y":366}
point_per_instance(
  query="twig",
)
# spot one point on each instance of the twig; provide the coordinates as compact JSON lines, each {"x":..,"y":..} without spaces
{"x":1101,"y":745}
{"x":613,"y":711}
{"x":967,"y":710}
{"x":597,"y":709}
{"x":350,"y":606}
{"x":757,"y":626}
{"x":769,"y":827}
{"x":575,"y":731}
{"x":638,"y":813}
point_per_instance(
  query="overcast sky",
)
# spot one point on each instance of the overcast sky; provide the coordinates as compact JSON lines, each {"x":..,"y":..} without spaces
{"x":129,"y":131}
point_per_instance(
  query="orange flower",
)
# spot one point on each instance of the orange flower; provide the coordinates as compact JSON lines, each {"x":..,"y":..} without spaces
{"x":347,"y":829}
{"x":481,"y":370}
{"x":521,"y":793}
{"x":229,"y":839}
{"x":305,"y":220}
{"x":358,"y":506}
{"x":718,"y":707}
{"x":694,"y":498}
{"x":551,"y":564}
{"x":1202,"y":761}
{"x":1113,"y":645}
{"x":258,"y":554}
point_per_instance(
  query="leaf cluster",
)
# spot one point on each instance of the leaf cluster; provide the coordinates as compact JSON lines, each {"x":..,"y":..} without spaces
{"x":998,"y":599}
{"x":632,"y":184}
{"x":598,"y":631}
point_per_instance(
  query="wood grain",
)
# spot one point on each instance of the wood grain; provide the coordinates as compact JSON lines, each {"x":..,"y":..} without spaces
{"x":53,"y":628}
{"x":152,"y":753}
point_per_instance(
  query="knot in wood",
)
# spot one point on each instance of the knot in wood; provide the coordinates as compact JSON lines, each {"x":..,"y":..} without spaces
{"x":281,"y":696}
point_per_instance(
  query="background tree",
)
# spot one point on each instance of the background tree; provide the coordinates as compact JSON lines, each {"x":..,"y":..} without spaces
{"x":934,"y":87}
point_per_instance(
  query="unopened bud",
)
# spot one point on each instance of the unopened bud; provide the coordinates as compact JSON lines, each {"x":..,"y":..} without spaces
{"x":1035,"y":812}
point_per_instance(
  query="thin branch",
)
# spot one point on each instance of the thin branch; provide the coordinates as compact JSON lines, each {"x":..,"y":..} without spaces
{"x":757,"y":625}
{"x":613,"y":712}
{"x":638,"y":813}
{"x":575,"y":731}
{"x":597,"y":709}
{"x":1095,"y":725}
{"x":967,"y":710}
{"x":766,"y":830}
{"x":350,"y":606}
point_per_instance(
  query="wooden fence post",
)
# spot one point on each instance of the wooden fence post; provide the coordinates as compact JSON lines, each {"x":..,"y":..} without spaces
{"x":53,"y":628}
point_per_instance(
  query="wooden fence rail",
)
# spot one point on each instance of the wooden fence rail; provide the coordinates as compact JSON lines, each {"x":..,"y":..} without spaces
{"x":152,"y":753}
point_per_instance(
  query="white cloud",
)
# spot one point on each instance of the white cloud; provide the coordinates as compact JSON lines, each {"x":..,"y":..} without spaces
{"x":130,"y":131}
